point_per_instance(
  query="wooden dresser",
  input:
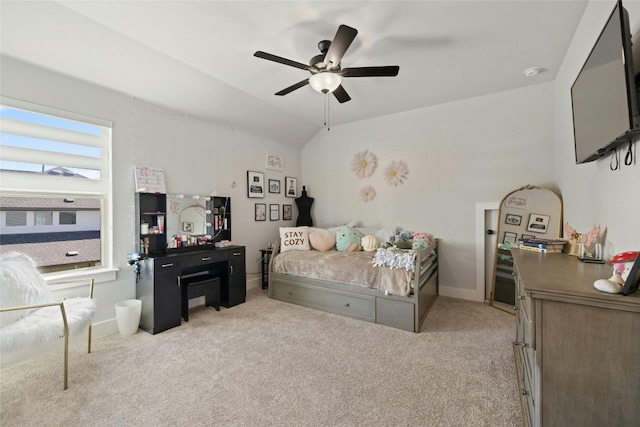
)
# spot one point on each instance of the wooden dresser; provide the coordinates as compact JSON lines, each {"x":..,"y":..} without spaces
{"x":577,"y":350}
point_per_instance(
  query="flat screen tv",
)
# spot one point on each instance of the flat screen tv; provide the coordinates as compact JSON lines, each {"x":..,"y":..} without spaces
{"x":603,"y":96}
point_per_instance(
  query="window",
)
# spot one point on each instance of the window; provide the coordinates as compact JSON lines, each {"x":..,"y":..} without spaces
{"x":55,"y":186}
{"x":67,"y":218}
{"x":16,"y":219}
{"x":43,"y":218}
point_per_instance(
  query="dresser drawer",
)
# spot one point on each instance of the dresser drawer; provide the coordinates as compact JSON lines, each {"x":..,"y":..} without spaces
{"x":356,"y":306}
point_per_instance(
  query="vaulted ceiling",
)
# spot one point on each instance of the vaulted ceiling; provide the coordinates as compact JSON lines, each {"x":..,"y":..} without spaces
{"x":197,"y":56}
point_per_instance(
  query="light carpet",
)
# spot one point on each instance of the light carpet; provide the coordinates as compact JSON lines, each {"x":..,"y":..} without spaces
{"x":266,"y":362}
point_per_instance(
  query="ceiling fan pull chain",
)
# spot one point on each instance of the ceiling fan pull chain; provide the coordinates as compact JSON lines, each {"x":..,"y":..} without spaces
{"x":328,"y":111}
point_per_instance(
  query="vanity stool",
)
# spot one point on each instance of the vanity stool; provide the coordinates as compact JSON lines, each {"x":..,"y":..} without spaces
{"x":205,"y":285}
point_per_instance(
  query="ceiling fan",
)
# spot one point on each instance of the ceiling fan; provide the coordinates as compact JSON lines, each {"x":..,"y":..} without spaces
{"x":326,"y":73}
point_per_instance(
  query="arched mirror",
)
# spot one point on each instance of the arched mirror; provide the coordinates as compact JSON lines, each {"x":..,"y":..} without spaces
{"x":188,"y":215}
{"x":528,"y":212}
{"x":192,"y":220}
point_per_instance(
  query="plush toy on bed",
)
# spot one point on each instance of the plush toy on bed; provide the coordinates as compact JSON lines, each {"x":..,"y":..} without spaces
{"x":348,"y":239}
{"x":403,"y":240}
{"x":420,"y":240}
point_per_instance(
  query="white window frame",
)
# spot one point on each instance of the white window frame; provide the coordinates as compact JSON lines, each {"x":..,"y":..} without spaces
{"x":13,"y":185}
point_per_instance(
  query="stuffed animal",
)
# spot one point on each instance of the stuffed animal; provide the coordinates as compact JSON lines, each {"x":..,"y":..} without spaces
{"x":622,"y":264}
{"x":420,"y":240}
{"x":369,"y":243}
{"x":402,"y":240}
{"x":348,"y":239}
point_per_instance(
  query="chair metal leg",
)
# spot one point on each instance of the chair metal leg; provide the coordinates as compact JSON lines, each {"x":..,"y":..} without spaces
{"x":66,"y":346}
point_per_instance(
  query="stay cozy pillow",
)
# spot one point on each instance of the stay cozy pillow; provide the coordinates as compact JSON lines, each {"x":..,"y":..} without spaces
{"x":294,"y":239}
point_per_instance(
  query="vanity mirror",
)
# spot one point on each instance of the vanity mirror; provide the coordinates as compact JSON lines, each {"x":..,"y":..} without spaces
{"x":187,"y":216}
{"x":528,"y":212}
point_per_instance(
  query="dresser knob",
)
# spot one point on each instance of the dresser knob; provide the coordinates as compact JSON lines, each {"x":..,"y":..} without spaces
{"x":525,"y":392}
{"x":521,"y":297}
{"x":346,"y":304}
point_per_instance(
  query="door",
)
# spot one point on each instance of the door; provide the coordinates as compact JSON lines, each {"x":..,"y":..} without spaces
{"x":491,"y":236}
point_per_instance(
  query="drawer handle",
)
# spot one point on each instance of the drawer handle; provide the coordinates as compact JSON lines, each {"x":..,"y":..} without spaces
{"x":346,"y":304}
{"x":289,"y":292}
{"x":167,"y":265}
{"x":525,"y":392}
{"x":237,"y":253}
{"x":515,"y":307}
{"x":206,"y":258}
{"x":521,"y":297}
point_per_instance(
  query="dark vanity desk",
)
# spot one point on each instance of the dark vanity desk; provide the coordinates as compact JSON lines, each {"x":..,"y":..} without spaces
{"x":160,"y":285}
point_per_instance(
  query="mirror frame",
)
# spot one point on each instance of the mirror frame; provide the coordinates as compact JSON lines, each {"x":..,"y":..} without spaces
{"x":498,"y":233}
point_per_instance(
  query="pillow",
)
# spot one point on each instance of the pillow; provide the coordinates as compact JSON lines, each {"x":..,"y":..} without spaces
{"x":322,"y":240}
{"x":348,"y":239}
{"x":294,"y":239}
{"x":382,"y":235}
{"x":21,"y":284}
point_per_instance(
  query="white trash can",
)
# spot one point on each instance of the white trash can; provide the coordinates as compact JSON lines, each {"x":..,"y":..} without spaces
{"x":128,"y":316}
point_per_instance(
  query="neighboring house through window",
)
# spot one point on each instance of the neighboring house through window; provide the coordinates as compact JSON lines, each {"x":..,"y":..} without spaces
{"x":55,"y":186}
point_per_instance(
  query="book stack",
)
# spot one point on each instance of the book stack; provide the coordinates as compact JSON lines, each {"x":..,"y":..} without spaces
{"x":545,"y":246}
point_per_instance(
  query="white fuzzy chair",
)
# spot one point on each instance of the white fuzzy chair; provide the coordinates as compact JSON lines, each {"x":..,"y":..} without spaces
{"x":28,"y":313}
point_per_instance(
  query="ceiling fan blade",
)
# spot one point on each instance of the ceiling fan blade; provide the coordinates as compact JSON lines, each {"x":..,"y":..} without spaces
{"x":281,"y":60}
{"x":341,"y":42}
{"x":293,"y":87}
{"x":385,"y":71}
{"x":341,"y":94}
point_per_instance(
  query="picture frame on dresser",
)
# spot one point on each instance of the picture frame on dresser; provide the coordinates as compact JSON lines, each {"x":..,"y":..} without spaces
{"x":633,"y":279}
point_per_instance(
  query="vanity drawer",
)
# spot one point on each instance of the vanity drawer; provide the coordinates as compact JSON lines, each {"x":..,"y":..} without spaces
{"x":356,"y":306}
{"x":205,"y":258}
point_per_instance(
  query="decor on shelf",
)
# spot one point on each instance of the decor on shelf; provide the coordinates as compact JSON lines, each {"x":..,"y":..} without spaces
{"x":274,"y":161}
{"x":274,"y":186}
{"x":255,"y":184}
{"x":367,"y":193}
{"x":396,"y":172}
{"x":290,"y":186}
{"x":364,"y":164}
{"x":261,"y":212}
{"x":576,"y":240}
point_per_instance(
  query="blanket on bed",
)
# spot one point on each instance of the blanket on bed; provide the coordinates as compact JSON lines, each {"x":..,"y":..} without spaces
{"x":352,"y":268}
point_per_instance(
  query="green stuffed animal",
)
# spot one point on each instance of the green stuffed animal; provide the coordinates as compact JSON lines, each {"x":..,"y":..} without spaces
{"x":348,"y":239}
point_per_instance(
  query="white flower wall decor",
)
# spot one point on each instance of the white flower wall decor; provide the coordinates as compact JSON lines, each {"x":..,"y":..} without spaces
{"x":367,"y":193}
{"x":364,"y":164}
{"x":396,"y":172}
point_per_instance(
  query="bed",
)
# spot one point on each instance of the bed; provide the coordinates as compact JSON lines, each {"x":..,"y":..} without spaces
{"x":370,"y":293}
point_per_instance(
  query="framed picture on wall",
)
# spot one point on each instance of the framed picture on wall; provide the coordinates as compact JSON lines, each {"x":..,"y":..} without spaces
{"x":287,"y":212}
{"x":509,"y":237}
{"x":255,"y":184}
{"x":261,"y":211}
{"x":538,"y":223}
{"x":274,"y":161}
{"x":274,"y":212}
{"x":290,"y":186}
{"x":274,"y":186}
{"x":512,"y":219}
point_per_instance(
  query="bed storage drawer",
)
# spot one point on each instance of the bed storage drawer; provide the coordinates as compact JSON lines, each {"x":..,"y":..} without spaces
{"x":357,"y":306}
{"x":395,"y":313}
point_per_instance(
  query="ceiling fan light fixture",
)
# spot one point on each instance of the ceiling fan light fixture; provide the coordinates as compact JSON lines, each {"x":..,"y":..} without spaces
{"x":325,"y":82}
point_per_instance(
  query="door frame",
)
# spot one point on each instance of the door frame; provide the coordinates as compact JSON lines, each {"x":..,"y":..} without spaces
{"x":481,"y":212}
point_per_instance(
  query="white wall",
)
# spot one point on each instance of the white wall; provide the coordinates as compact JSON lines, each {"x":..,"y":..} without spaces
{"x":199,"y":157}
{"x":592,"y":193}
{"x":461,"y":153}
